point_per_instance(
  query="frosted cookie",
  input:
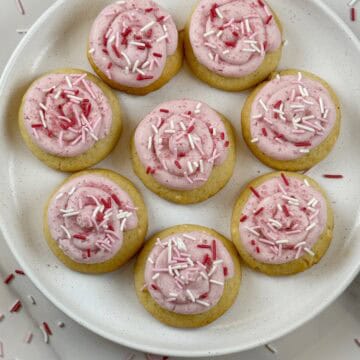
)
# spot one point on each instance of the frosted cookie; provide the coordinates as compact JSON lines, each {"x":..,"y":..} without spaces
{"x":292,"y":121}
{"x":233,"y":44}
{"x":184,"y":151}
{"x":95,"y":221}
{"x":134,"y":46}
{"x":282,"y":223}
{"x":70,"y":119}
{"x":187,"y":276}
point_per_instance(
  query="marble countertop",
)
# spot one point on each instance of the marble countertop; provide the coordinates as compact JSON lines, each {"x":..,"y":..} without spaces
{"x":329,"y":336}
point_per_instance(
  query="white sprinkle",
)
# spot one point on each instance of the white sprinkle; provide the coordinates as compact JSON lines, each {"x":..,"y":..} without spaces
{"x":42,"y":118}
{"x":298,"y":252}
{"x":145,"y":64}
{"x":210,"y":32}
{"x":326,"y":113}
{"x":306,"y":182}
{"x":275,"y":223}
{"x":66,"y":231}
{"x":321,"y":103}
{"x":186,"y":236}
{"x":154,"y":128}
{"x":191,"y":141}
{"x":68,"y":82}
{"x":248,"y":50}
{"x":311,"y":226}
{"x":309,"y":251}
{"x":191,"y":170}
{"x":304,"y":151}
{"x":263,"y":105}
{"x":59,"y":196}
{"x":201,"y":302}
{"x":155,"y":276}
{"x":161,"y":38}
{"x":247,"y":26}
{"x":218,"y":13}
{"x":282,"y":242}
{"x":191,"y":296}
{"x":309,"y":117}
{"x":299,"y":76}
{"x":252,"y":231}
{"x":147,"y":26}
{"x":254,"y":140}
{"x":150,"y":260}
{"x":307,"y":128}
{"x":126,"y":58}
{"x":135,"y":65}
{"x":87,"y":87}
{"x":257,"y":116}
{"x":219,"y":33}
{"x":149,"y":142}
{"x":217,"y":282}
{"x":300,"y":244}
{"x":91,"y":51}
{"x":210,"y":55}
{"x":45,"y":334}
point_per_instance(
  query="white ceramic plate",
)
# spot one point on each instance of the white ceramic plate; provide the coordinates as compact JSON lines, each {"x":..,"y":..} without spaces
{"x":267,"y":307}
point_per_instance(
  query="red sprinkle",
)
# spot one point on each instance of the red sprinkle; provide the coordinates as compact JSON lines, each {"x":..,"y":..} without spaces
{"x":206,"y":260}
{"x":286,"y":181}
{"x":106,"y":203}
{"x":230,"y":43}
{"x":144,"y":77}
{"x":213,"y":14}
{"x":190,"y":129}
{"x":243,"y":218}
{"x":105,"y":41}
{"x":116,"y":199}
{"x":203,"y":246}
{"x":85,"y":107}
{"x":9,"y":279}
{"x":164,"y":111}
{"x":47,"y":328}
{"x":255,"y":192}
{"x":268,"y":19}
{"x":148,"y":170}
{"x":126,"y":32}
{"x":302,"y":143}
{"x":235,"y":34}
{"x":181,"y":154}
{"x":88,"y":251}
{"x":353,"y":14}
{"x":110,"y":227}
{"x":261,"y":3}
{"x":36,"y":126}
{"x":177,"y":164}
{"x":148,"y":34}
{"x":222,"y":136}
{"x":105,"y":51}
{"x":286,"y":210}
{"x":264,"y":132}
{"x":226,"y":143}
{"x":333,"y":176}
{"x":154,"y":287}
{"x":253,"y":242}
{"x":16,"y":307}
{"x":257,"y":212}
{"x":278,"y":136}
{"x":203,"y":296}
{"x":257,"y":250}
{"x":157,"y":54}
{"x":225,"y":269}
{"x":79,"y":236}
{"x":277,"y":104}
{"x":99,"y":217}
{"x":160,"y":18}
{"x":213,"y":249}
{"x":149,"y":10}
{"x":20,"y":272}
{"x":116,"y":51}
{"x":265,"y":45}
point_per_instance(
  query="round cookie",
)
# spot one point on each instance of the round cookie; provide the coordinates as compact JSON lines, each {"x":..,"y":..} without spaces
{"x":95,"y":221}
{"x":184,"y":151}
{"x":292,"y":121}
{"x":70,"y":119}
{"x":233,"y":44}
{"x":207,"y":282}
{"x":282,"y":223}
{"x":134,"y":46}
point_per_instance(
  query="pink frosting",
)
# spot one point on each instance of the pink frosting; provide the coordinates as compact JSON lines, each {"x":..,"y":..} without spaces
{"x":185,"y":272}
{"x":282,"y":220}
{"x":88,"y":217}
{"x":131,"y":40}
{"x":66,"y":115}
{"x":232,"y":37}
{"x":290,"y":116}
{"x":180,"y":142}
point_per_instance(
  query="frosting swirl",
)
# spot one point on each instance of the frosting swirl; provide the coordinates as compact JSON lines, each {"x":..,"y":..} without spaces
{"x":131,"y":40}
{"x":291,"y":115}
{"x":282,"y":220}
{"x":66,"y":114}
{"x":232,"y":37}
{"x":185,"y":273}
{"x":180,"y":142}
{"x":88,"y":216}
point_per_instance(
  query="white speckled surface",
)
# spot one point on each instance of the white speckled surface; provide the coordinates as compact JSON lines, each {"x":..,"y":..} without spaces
{"x":329,"y":336}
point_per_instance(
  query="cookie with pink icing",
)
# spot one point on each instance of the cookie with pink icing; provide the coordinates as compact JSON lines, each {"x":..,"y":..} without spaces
{"x":292,"y":121}
{"x":233,"y":44}
{"x":95,"y":221}
{"x":184,"y":151}
{"x":70,"y":119}
{"x":282,"y":223}
{"x":187,"y":275}
{"x":134,"y":46}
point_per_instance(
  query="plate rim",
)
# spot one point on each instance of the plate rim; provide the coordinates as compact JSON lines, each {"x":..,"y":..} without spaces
{"x":132,"y":344}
